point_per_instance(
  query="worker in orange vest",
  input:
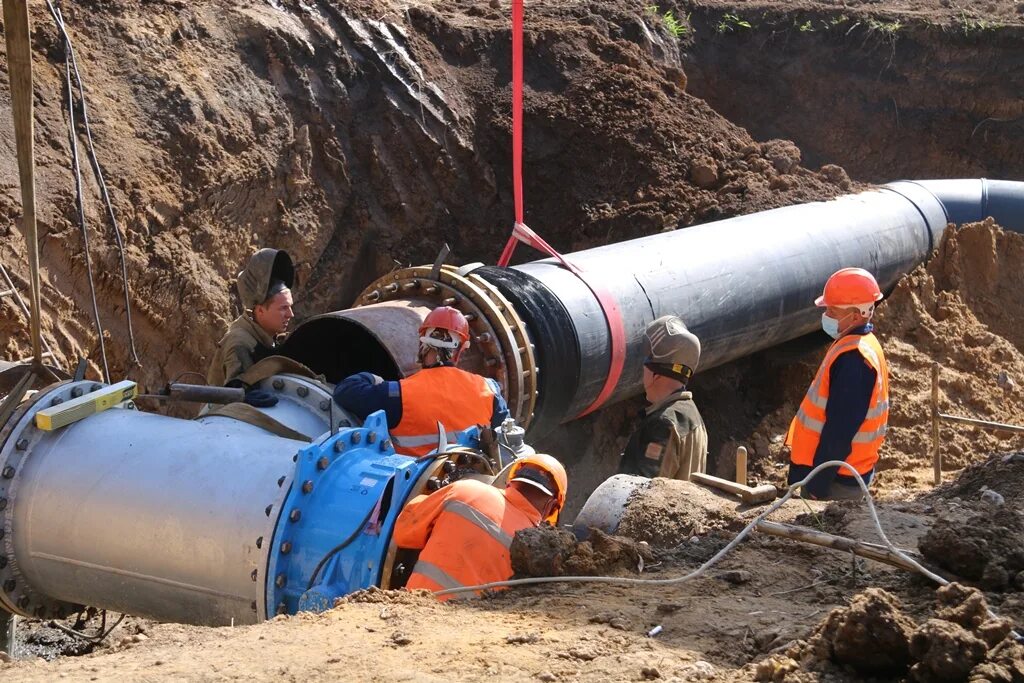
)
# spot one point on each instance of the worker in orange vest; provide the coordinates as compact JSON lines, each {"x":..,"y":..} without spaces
{"x":845,"y":413}
{"x":464,"y":530}
{"x":439,"y":392}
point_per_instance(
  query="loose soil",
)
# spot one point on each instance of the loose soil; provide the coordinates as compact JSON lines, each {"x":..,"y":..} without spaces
{"x":224,"y":126}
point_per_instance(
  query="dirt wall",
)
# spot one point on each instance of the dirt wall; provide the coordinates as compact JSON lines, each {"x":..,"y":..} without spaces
{"x":887,"y":90}
{"x":358,"y":137}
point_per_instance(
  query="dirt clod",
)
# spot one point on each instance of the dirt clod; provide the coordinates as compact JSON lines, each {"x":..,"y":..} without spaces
{"x":736,"y":576}
{"x":549,"y":551}
{"x":873,"y":623}
{"x":944,"y":652}
{"x":650,"y":673}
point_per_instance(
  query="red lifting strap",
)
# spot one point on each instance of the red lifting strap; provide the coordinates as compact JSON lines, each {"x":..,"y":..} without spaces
{"x":609,"y":307}
{"x":521,"y":233}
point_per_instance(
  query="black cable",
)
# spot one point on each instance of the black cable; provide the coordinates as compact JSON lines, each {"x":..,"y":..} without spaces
{"x":341,"y":546}
{"x":73,"y":138}
{"x":188,"y":372}
{"x":96,"y":639}
{"x":97,"y":169}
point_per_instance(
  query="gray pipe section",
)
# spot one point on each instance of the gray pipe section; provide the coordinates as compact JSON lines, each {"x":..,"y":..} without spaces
{"x":969,"y":201}
{"x":159,"y":517}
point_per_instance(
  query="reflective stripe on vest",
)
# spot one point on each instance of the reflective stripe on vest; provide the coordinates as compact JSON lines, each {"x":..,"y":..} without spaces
{"x":805,"y":430}
{"x":456,"y":398}
{"x":480,"y":520}
{"x":432,"y":572}
{"x":436,"y":574}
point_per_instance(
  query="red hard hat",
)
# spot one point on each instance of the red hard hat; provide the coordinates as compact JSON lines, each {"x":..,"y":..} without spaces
{"x":446,"y":318}
{"x":545,"y":463}
{"x":850,"y":287}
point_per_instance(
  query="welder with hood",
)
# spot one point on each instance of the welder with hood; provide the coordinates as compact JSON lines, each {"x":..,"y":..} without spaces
{"x":264,"y":288}
{"x":438,"y":392}
{"x":671,"y":440}
{"x":463,"y":531}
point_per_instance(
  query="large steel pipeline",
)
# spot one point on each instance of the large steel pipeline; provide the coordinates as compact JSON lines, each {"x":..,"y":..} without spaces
{"x":209,"y":521}
{"x":742,"y":285}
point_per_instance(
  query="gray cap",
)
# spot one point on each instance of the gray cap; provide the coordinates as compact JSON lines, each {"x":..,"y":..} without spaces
{"x":266,"y":267}
{"x":672,"y":344}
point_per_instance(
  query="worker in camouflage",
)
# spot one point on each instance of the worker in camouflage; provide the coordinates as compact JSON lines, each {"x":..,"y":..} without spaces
{"x":265,"y":291}
{"x":671,"y":440}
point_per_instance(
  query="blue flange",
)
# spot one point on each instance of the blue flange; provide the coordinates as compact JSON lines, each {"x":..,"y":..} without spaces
{"x":335,"y":525}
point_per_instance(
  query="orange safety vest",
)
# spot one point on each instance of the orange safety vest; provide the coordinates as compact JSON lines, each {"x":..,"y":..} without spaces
{"x":805,"y":430}
{"x":464,"y":530}
{"x":456,"y":398}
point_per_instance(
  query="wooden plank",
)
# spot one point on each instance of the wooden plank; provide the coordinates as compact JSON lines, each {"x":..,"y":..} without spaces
{"x":19,"y":62}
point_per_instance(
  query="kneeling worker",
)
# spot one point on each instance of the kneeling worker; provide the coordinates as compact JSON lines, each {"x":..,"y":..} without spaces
{"x":671,"y":441}
{"x":464,"y":530}
{"x":845,"y":413}
{"x":265,"y":290}
{"x":439,"y":392}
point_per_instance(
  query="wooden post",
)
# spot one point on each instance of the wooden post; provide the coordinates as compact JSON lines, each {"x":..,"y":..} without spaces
{"x":741,"y":465}
{"x":871,"y":551}
{"x":19,"y":64}
{"x":936,"y":455}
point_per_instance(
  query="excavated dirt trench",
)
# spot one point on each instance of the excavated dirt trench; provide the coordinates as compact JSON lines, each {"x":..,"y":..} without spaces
{"x":362,"y":135}
{"x":928,"y":93}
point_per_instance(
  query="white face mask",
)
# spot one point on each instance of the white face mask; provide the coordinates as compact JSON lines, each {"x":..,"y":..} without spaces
{"x":830,"y":325}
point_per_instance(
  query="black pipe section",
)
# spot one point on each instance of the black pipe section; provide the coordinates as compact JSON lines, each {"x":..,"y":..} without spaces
{"x":742,"y":284}
{"x":557,"y":346}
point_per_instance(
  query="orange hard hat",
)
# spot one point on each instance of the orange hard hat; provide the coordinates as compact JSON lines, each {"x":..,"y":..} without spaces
{"x":446,"y":318}
{"x":545,"y":463}
{"x":850,"y":287}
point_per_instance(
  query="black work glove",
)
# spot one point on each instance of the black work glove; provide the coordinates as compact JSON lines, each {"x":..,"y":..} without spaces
{"x":258,"y":398}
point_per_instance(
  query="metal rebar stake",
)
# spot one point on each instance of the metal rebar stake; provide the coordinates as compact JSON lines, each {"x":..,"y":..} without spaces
{"x":8,"y":628}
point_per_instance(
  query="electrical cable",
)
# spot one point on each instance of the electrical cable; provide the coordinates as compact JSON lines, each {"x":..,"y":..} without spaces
{"x":341,"y":546}
{"x":73,"y":138}
{"x":725,"y":551}
{"x":97,"y":169}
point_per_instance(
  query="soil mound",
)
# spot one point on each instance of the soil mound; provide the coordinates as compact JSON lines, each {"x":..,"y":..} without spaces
{"x":961,"y":310}
{"x":987,"y":548}
{"x":873,"y":636}
{"x":550,"y":551}
{"x":999,"y":474}
{"x":668,"y":512}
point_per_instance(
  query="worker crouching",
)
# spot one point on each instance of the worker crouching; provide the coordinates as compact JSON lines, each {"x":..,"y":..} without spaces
{"x":464,"y":530}
{"x":845,"y":412}
{"x":439,"y":392}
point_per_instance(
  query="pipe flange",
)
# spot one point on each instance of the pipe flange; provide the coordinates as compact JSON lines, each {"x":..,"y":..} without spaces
{"x":498,"y":332}
{"x":17,"y":439}
{"x":310,"y":394}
